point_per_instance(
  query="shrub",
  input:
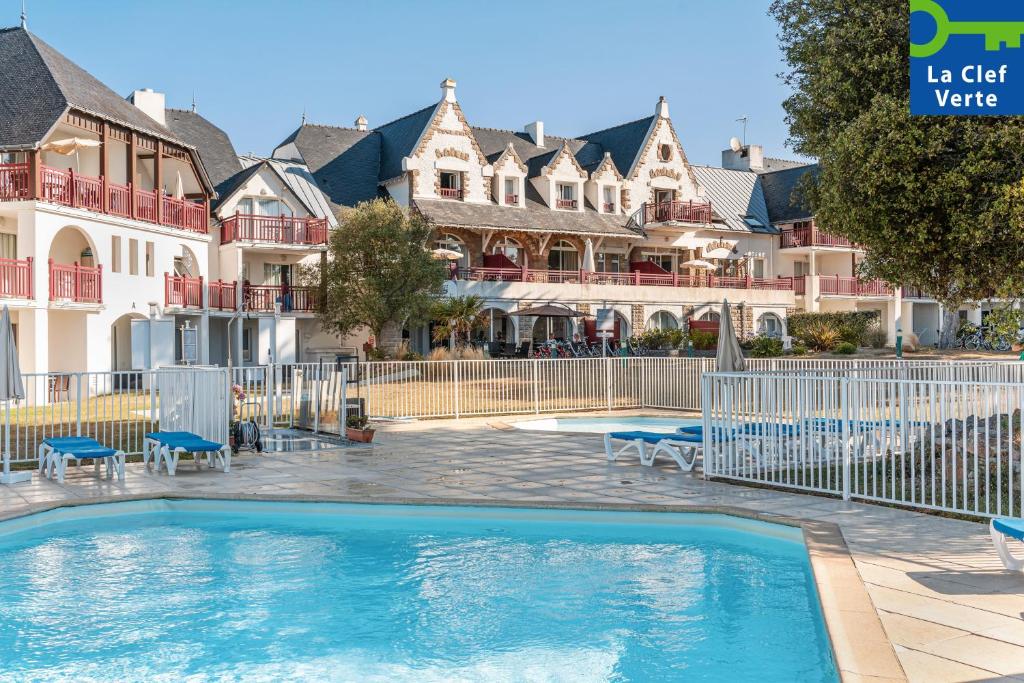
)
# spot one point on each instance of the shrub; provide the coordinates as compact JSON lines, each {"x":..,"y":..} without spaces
{"x":357,"y":421}
{"x":764,"y":346}
{"x":703,"y":341}
{"x":851,"y":326}
{"x":439,"y":353}
{"x":799,"y":350}
{"x":662,"y":339}
{"x":846,"y":348}
{"x":820,"y":335}
{"x":876,"y":337}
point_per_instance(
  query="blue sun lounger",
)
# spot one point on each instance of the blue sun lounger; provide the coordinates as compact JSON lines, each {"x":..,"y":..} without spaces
{"x":168,"y":447}
{"x":676,"y":446}
{"x":55,"y":453}
{"x":1002,"y":529}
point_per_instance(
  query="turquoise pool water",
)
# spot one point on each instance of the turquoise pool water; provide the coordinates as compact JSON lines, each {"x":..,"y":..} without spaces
{"x":602,"y":425}
{"x":256,"y":591}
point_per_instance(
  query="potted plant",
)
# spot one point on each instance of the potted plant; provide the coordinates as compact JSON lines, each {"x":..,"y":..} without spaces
{"x":356,"y":429}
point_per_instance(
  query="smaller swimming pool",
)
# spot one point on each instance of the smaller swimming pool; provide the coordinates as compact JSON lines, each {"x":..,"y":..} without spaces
{"x":611,"y":423}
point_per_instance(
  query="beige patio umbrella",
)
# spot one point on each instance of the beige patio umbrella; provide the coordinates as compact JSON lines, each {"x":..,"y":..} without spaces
{"x":69,"y":146}
{"x":588,"y":256}
{"x":179,"y":188}
{"x":446,"y":254}
{"x":11,"y":388}
{"x":729,"y":357}
{"x":699,"y":264}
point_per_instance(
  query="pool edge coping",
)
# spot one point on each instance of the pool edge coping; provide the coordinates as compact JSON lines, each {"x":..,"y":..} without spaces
{"x":861,"y":649}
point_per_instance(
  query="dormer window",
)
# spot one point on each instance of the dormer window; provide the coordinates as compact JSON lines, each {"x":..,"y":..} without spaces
{"x":511,"y":192}
{"x":566,"y":196}
{"x":451,"y":185}
{"x":665,"y":152}
{"x":608,"y":205}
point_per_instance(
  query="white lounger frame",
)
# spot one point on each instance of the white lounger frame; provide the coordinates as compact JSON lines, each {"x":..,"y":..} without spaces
{"x":53,"y":462}
{"x":676,"y":449}
{"x":161,"y":453}
{"x":1003,"y":550}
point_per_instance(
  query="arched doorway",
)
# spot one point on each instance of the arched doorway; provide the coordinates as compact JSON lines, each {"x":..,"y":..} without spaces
{"x":662,"y":320}
{"x":121,"y":341}
{"x":72,"y":245}
{"x":710,"y":316}
{"x":498,"y":326}
{"x":769,"y":324}
{"x":563,"y":256}
{"x":510,"y":249}
{"x":547,"y":327}
{"x":185,"y":265}
{"x":453,"y":243}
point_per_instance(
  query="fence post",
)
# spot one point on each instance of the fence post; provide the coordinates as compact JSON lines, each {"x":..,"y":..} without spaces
{"x":457,"y":375}
{"x":608,"y":381}
{"x":844,"y":398}
{"x":316,"y":402}
{"x":78,"y":406}
{"x":536,"y":387}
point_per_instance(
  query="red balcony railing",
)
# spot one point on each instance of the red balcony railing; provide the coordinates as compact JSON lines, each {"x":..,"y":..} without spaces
{"x":82,"y":284}
{"x":635,"y":278}
{"x":263,"y":298}
{"x":16,"y":278}
{"x":675,"y":211}
{"x":274,"y":229}
{"x":608,"y":207}
{"x":185,"y":214}
{"x":565,"y":204}
{"x":910,"y":292}
{"x":836,"y":285}
{"x":451,"y":192}
{"x":220,"y":295}
{"x":87,"y":192}
{"x":512,"y":199}
{"x":181,"y":291}
{"x":800,"y":284}
{"x":810,"y":236}
{"x":14,"y":181}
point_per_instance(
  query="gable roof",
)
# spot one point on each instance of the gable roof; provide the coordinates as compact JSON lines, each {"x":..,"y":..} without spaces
{"x":38,"y":84}
{"x":299,"y":181}
{"x":213,"y":145}
{"x":345,"y":162}
{"x":734,"y":196}
{"x":784,"y":206}
{"x":398,"y":139}
{"x":623,"y":142}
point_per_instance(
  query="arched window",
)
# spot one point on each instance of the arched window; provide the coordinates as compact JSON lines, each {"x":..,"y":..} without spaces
{"x":769,"y":324}
{"x":712,"y":316}
{"x":512,"y":250}
{"x":453,"y":243}
{"x":663,"y":320}
{"x":563,"y":256}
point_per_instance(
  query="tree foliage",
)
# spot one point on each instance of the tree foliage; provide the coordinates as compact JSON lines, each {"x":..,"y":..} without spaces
{"x":456,"y":318}
{"x":378,"y":271}
{"x":936,"y":201}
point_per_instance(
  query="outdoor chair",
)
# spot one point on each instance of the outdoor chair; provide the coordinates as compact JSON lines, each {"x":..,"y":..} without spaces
{"x":1002,"y":529}
{"x":168,"y":447}
{"x":680,"y":447}
{"x":59,"y":386}
{"x":55,"y":453}
{"x":495,"y":350}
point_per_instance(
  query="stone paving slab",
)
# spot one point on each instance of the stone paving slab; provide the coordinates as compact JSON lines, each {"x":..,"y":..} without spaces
{"x":947,"y":605}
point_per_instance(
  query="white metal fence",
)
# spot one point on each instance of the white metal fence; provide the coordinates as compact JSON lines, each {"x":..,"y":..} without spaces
{"x":943,"y":436}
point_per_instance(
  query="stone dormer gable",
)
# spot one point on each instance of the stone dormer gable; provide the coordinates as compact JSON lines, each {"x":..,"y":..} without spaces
{"x":563,"y":160}
{"x":659,"y":126}
{"x":607,"y":165}
{"x":509,"y":157}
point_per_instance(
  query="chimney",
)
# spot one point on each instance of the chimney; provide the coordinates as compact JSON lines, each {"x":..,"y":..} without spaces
{"x":153,"y":104}
{"x":661,"y":109}
{"x":448,"y":90}
{"x":536,"y":132}
{"x":361,"y":123}
{"x":746,"y":158}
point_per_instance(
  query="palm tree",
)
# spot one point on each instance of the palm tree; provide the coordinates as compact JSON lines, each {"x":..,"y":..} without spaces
{"x":456,"y":318}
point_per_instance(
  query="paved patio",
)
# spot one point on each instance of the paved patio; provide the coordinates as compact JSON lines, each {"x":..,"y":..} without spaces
{"x":949,"y":608}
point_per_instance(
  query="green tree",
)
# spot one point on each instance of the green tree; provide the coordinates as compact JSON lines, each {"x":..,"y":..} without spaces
{"x":456,"y":318}
{"x":936,"y":201}
{"x":377,"y":273}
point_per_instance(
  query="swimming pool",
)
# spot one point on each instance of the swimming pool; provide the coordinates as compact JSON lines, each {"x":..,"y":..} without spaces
{"x":217,"y":590}
{"x":603,"y":425}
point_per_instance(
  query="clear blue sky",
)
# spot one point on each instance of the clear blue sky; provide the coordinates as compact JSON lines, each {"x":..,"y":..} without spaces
{"x":578,"y":66}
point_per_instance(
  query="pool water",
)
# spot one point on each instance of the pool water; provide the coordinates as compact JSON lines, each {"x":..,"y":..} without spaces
{"x":260,"y":591}
{"x":603,"y":425}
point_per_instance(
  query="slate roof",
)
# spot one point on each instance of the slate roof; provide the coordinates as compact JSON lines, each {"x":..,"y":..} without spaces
{"x":398,"y":139}
{"x":213,"y":145}
{"x":623,"y":142}
{"x":776,"y":164}
{"x":736,"y":195}
{"x":344,"y":161}
{"x":535,"y":217}
{"x":37,"y":84}
{"x":779,"y":187}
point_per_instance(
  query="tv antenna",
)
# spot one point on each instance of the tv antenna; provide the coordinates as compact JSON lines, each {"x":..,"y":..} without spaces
{"x":743,"y":119}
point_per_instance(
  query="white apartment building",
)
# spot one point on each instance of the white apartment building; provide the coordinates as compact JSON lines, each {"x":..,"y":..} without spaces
{"x":123,"y":222}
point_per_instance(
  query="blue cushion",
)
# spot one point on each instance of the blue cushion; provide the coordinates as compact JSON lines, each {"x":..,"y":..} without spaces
{"x":194,"y":445}
{"x":647,"y":437}
{"x":56,"y":441}
{"x":1014,"y":528}
{"x":86,"y":451}
{"x":691,"y":429}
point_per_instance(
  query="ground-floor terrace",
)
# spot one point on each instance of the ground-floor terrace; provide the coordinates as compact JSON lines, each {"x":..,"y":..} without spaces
{"x":935,"y":591}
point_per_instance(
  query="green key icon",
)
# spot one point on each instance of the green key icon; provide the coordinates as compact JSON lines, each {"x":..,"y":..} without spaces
{"x":997,"y":33}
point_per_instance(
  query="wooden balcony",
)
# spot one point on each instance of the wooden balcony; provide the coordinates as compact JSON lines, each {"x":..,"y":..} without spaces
{"x":16,"y":278}
{"x":835,"y":285}
{"x":608,"y":207}
{"x":181,"y":291}
{"x":451,"y":192}
{"x":286,"y":230}
{"x":677,"y":212}
{"x":566,"y":204}
{"x":72,"y":189}
{"x":263,"y":297}
{"x":220,"y":295}
{"x":633,"y":279}
{"x":75,"y":283}
{"x":512,"y":200}
{"x":812,"y":237}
